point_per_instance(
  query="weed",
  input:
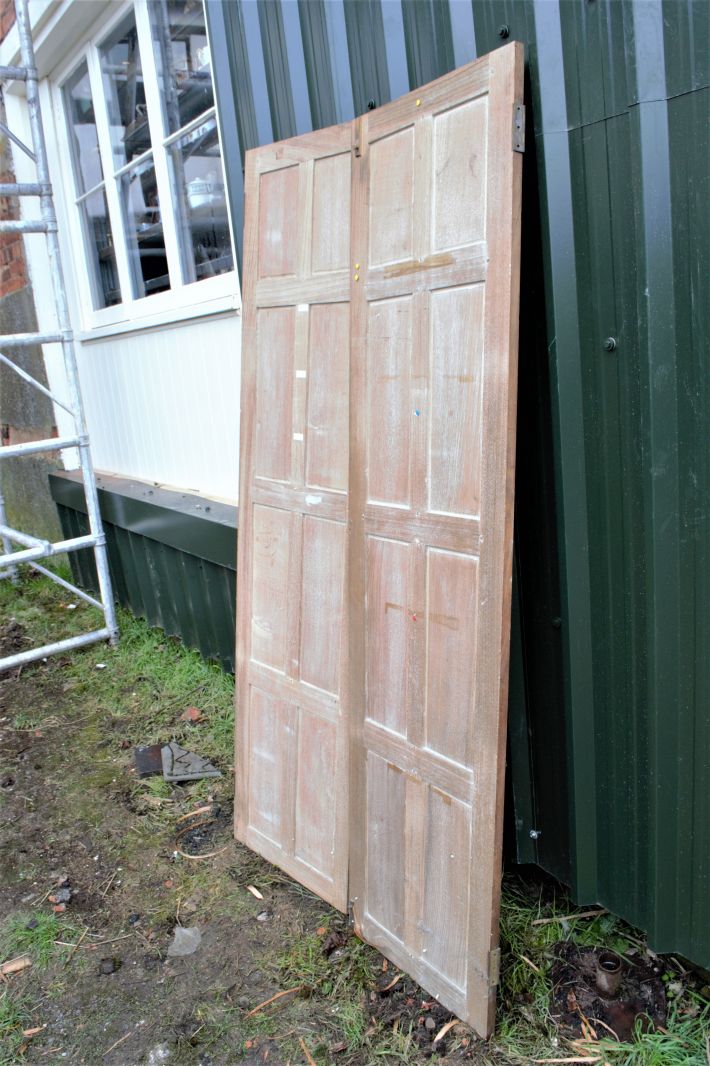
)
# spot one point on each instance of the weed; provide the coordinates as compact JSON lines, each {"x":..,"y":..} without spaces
{"x":26,"y":721}
{"x":683,"y":1041}
{"x":14,"y":1017}
{"x":34,"y":935}
{"x":351,"y":1021}
{"x":158,"y":788}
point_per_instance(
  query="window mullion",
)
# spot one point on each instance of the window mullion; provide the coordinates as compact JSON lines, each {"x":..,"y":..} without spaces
{"x":157,"y":134}
{"x":113,"y":199}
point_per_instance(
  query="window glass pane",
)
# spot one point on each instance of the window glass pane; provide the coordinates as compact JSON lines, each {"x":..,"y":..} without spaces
{"x":199,"y":194}
{"x":144,"y":229}
{"x":83,"y":140}
{"x":183,"y":59}
{"x":98,"y":241}
{"x":125,"y":94}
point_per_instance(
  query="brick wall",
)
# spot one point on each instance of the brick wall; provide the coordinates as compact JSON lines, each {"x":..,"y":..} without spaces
{"x":24,"y":414}
{"x":7,"y":17}
{"x":13,"y":271}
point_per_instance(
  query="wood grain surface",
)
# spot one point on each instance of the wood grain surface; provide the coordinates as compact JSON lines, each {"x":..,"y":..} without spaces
{"x":379,"y":382}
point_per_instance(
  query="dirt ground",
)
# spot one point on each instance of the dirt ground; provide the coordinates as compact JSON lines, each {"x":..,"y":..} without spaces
{"x":75,"y":816}
{"x":99,"y":868}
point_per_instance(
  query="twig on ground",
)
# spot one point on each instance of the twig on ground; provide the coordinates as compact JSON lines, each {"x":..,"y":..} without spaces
{"x":579,"y":1058}
{"x":71,"y":953}
{"x":105,"y":885}
{"x":392,"y":983}
{"x":15,"y":965}
{"x":96,"y":944}
{"x":198,"y":810}
{"x":208,"y":855}
{"x":444,"y":1030}
{"x":598,"y":1021}
{"x":530,"y":963}
{"x":309,"y":1058}
{"x":571,"y":917}
{"x":279,"y":995}
{"x":123,"y":1038}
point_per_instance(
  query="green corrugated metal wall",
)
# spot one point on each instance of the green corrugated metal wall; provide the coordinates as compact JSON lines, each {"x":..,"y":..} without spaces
{"x":610,"y":704}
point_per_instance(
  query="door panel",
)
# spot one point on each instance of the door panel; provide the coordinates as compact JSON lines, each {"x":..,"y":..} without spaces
{"x":292,"y":779}
{"x":436,"y":206}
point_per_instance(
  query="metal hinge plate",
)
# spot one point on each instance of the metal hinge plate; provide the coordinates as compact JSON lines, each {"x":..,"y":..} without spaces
{"x":494,"y":968}
{"x":518,"y":127}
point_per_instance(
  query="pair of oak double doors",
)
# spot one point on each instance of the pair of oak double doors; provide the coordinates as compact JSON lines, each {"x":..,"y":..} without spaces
{"x":376,"y":502}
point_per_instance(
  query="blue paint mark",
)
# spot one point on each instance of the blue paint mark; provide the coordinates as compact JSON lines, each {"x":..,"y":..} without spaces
{"x":417,"y":413}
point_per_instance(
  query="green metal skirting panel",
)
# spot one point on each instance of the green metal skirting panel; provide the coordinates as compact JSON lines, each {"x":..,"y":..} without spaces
{"x":610,"y":727}
{"x":172,"y":558}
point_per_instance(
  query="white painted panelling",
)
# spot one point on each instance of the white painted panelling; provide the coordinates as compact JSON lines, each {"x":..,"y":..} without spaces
{"x":163,"y":405}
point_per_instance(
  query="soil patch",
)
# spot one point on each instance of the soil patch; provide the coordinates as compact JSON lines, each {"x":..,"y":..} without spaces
{"x":576,"y":1001}
{"x":99,"y":867}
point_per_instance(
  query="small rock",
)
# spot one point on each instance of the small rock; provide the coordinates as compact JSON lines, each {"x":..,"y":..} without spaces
{"x":32,"y":924}
{"x":133,"y":919}
{"x":243,"y":1001}
{"x":430,"y":1024}
{"x":62,"y":895}
{"x":107,"y":966}
{"x":264,"y":916}
{"x":160,"y":1053}
{"x":186,"y":941}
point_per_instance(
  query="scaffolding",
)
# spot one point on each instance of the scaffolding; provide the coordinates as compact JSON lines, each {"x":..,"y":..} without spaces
{"x":31,"y":549}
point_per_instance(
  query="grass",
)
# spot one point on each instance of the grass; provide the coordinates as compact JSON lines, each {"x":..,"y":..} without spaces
{"x":14,"y":1017}
{"x":525,"y":1030}
{"x":34,"y":934}
{"x":149,"y":679}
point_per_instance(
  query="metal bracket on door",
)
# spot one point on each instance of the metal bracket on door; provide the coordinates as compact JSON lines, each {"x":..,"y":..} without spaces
{"x":518,"y":127}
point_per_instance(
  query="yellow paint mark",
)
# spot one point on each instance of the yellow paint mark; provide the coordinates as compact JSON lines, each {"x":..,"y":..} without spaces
{"x":413,"y":266}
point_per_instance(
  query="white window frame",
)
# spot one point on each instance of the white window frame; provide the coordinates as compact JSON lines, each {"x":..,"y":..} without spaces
{"x":182,"y":300}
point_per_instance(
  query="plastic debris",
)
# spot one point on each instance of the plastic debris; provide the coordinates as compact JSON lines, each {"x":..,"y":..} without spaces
{"x":182,"y":765}
{"x":147,"y":759}
{"x":186,"y":941}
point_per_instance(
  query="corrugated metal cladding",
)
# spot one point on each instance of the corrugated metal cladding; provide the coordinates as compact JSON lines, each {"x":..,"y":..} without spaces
{"x":171,"y":562}
{"x":610,"y":715}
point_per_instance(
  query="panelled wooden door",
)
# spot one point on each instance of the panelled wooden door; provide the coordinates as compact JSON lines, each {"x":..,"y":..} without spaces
{"x":292,"y":733}
{"x":376,"y":504}
{"x":435,"y":230}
